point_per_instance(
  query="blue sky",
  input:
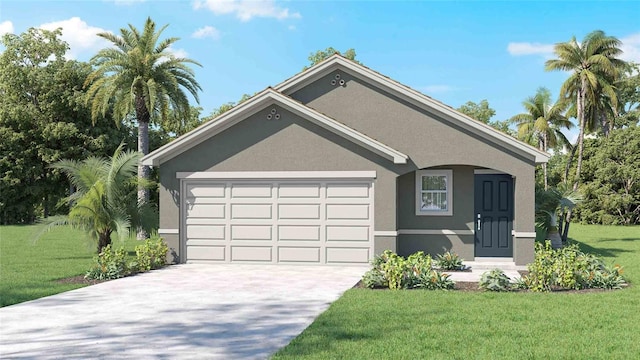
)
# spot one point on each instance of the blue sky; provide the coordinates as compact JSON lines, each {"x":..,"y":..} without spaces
{"x":452,"y":51}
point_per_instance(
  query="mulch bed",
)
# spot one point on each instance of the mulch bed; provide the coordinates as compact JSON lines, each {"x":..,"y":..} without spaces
{"x":79,"y":280}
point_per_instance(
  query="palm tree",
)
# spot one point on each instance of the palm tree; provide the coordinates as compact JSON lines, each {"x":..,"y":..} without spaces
{"x":595,"y":67}
{"x":543,"y":122}
{"x":105,"y":199}
{"x":140,"y":75}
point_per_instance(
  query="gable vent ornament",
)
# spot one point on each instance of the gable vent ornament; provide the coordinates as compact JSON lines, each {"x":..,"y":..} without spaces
{"x":337,"y":81}
{"x":273,"y":114}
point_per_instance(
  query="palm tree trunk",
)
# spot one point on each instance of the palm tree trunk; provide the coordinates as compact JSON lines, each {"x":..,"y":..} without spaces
{"x":104,"y":239}
{"x":581,"y":120}
{"x":143,"y":117}
{"x":567,"y":167}
{"x":544,"y":165}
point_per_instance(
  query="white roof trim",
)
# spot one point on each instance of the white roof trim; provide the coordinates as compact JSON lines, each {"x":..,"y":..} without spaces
{"x":302,"y":79}
{"x":248,"y":175}
{"x":255,"y":104}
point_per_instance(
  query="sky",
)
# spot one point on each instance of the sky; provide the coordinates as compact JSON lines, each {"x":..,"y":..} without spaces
{"x":452,"y":51}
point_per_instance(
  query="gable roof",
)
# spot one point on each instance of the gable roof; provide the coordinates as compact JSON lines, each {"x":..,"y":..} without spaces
{"x":257,"y":103}
{"x":410,"y":95}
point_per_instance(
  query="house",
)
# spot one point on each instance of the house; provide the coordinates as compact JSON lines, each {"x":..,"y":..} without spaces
{"x":337,"y":164}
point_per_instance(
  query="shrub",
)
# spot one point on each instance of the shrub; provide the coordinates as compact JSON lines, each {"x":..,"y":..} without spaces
{"x":449,"y":261}
{"x":569,"y":268}
{"x":152,"y":254}
{"x":109,"y":264}
{"x":374,"y":278}
{"x":394,"y":271}
{"x":495,"y":280}
{"x":435,"y":280}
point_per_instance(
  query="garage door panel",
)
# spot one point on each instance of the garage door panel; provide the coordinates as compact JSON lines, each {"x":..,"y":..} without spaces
{"x":251,"y":211}
{"x":299,"y":211}
{"x":205,"y":232}
{"x":299,"y":191}
{"x":208,"y":190}
{"x":211,"y":211}
{"x":347,"y":190}
{"x":288,"y":221}
{"x":347,"y":255}
{"x":251,"y":232}
{"x":251,"y":191}
{"x":215,"y":253}
{"x":298,"y":233}
{"x":251,"y":253}
{"x":347,"y":233}
{"x":348,"y":211}
{"x":298,"y":254}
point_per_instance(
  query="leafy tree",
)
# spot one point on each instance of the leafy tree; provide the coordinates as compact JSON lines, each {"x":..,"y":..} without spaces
{"x":543,"y":122}
{"x":595,"y":67}
{"x":225,"y":107}
{"x":479,"y":111}
{"x":175,"y":124}
{"x":42,"y":119}
{"x":321,"y":55}
{"x":628,"y":90}
{"x":140,"y":75}
{"x":612,"y":179}
{"x":105,"y":198}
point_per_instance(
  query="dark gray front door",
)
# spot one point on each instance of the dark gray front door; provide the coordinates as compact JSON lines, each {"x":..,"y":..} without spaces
{"x":494,"y":215}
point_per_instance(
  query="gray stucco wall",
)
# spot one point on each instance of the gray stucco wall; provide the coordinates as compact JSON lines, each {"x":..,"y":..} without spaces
{"x":288,"y":144}
{"x":426,"y":137}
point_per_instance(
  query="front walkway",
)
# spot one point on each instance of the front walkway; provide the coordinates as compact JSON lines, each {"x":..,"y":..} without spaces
{"x":180,"y":312}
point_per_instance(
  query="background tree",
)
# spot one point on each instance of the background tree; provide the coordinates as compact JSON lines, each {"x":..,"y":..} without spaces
{"x":140,"y":75}
{"x":480,"y":111}
{"x":595,"y":67}
{"x":321,"y":55}
{"x":612,"y":179}
{"x":543,"y":121}
{"x":43,"y":119}
{"x":483,"y":112}
{"x":105,"y":201}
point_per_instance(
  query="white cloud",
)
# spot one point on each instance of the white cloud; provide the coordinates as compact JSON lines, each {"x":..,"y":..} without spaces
{"x":80,"y":36}
{"x":245,"y":10}
{"x":436,"y":89}
{"x":206,"y":32}
{"x":631,"y":48}
{"x":526,"y":48}
{"x":179,"y":53}
{"x":6,"y":27}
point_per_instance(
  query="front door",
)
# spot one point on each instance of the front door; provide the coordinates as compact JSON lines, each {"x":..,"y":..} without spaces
{"x":493,"y":215}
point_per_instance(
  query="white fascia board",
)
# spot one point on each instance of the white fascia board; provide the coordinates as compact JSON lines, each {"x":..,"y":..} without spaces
{"x":414,"y":97}
{"x":249,"y":175}
{"x":251,"y":106}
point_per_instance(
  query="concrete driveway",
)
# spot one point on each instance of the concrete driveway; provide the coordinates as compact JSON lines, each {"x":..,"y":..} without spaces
{"x":180,"y":312}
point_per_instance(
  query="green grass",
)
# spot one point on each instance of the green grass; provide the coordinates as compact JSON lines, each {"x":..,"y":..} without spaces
{"x":29,"y":270}
{"x":379,"y":324}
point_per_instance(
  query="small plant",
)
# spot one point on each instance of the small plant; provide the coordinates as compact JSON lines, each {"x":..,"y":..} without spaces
{"x":417,"y":265}
{"x":394,"y":269}
{"x":569,"y":268}
{"x":152,"y":254}
{"x":435,"y":280}
{"x":374,"y":278}
{"x":109,"y":264}
{"x":449,"y":261}
{"x":495,"y":280}
{"x":521,"y":283}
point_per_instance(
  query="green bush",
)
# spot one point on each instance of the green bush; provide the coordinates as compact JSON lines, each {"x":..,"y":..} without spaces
{"x":449,"y":261}
{"x":570,"y":268}
{"x":435,"y":280}
{"x":151,"y":255}
{"x":109,"y":264}
{"x":395,"y":272}
{"x":495,"y":280}
{"x":374,"y":278}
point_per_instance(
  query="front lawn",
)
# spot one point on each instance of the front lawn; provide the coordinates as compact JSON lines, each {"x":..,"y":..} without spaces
{"x":29,"y":270}
{"x":415,"y":324}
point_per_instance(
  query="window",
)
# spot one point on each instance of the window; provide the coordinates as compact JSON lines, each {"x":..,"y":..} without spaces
{"x":434,"y":192}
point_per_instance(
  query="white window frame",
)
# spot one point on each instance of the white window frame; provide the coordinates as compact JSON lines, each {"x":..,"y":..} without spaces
{"x":418,"y":194}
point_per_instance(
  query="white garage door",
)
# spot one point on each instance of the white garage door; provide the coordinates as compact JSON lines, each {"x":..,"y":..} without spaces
{"x":279,"y":221}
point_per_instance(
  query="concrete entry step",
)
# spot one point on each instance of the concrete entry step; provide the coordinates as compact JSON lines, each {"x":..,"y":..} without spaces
{"x":489,"y":263}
